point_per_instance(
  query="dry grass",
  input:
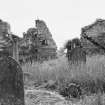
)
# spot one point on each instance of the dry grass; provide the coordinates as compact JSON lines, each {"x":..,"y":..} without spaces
{"x":43,"y":97}
{"x":91,"y":75}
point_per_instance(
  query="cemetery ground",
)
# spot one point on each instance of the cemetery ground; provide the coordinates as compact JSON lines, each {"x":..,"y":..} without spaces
{"x":43,"y":82}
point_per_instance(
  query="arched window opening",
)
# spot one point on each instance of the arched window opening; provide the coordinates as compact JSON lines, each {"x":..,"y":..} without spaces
{"x":44,"y":42}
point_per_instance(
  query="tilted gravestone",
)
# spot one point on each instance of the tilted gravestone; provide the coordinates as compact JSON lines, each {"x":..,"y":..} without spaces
{"x":11,"y":82}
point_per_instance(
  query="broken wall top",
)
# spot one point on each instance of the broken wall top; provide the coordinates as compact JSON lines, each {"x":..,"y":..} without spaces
{"x":95,"y":29}
{"x":44,"y":31}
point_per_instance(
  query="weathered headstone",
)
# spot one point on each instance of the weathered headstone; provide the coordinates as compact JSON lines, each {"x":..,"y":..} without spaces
{"x":11,"y":82}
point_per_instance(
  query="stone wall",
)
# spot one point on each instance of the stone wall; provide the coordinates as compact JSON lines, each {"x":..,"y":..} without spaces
{"x":39,"y":42}
{"x":97,"y":32}
{"x":5,"y":38}
{"x":44,"y":33}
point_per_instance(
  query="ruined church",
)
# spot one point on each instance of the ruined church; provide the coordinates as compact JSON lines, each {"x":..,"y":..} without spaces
{"x":36,"y":44}
{"x":93,"y":37}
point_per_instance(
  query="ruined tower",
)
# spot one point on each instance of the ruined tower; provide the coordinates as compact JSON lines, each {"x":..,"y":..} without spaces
{"x":39,"y":43}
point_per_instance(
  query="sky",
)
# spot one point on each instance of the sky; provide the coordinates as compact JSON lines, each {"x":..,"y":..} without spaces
{"x":65,"y":18}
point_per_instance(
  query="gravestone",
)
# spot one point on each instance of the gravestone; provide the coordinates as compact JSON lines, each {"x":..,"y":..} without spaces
{"x":11,"y":82}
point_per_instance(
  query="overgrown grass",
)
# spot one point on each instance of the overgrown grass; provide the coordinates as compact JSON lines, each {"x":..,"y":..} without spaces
{"x":90,"y":76}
